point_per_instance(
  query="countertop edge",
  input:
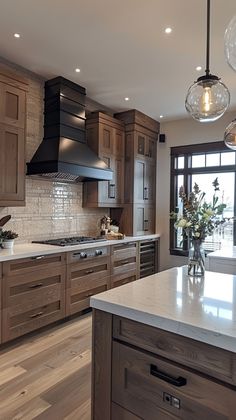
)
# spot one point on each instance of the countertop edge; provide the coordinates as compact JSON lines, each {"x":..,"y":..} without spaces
{"x":206,"y":336}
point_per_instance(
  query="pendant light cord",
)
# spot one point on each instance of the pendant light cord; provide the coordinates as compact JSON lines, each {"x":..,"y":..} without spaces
{"x":208,"y":38}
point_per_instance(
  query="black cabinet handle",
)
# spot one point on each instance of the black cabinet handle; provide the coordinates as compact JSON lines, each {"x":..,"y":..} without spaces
{"x":35,"y":286}
{"x":145,"y":193}
{"x":112,"y":191}
{"x":36,"y":315}
{"x":145,"y":225}
{"x":180,"y":381}
{"x":89,"y":271}
{"x":39,"y":257}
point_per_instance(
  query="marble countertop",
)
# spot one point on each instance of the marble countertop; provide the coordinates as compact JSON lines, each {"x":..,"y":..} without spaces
{"x":32,"y":250}
{"x":201,"y":309}
{"x":225,"y":253}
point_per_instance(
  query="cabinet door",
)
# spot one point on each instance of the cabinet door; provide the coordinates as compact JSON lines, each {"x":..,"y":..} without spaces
{"x":112,"y":192}
{"x":12,"y":165}
{"x":12,"y":105}
{"x":145,"y":146}
{"x":144,"y":219}
{"x":144,"y":182}
{"x":119,"y":143}
{"x":106,"y":139}
{"x":149,"y":183}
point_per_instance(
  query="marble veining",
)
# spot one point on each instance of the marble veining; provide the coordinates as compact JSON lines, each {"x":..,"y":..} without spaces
{"x":202,"y":309}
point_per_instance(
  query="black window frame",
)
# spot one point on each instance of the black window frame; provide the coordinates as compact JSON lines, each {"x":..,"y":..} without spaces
{"x":188,"y":151}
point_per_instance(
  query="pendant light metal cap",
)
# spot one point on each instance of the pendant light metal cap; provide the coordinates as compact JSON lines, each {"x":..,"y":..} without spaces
{"x":208,"y":78}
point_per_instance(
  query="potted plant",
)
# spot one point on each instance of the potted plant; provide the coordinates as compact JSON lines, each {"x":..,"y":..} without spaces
{"x":7,"y":238}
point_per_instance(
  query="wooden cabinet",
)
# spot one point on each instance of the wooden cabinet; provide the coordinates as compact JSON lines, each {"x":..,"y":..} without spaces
{"x":86,"y":277}
{"x":142,"y":372}
{"x":12,"y":135}
{"x":145,"y":146}
{"x":141,"y":133}
{"x":144,"y":185}
{"x":32,"y":297}
{"x":124,"y":267}
{"x":167,"y":390}
{"x":105,"y":135}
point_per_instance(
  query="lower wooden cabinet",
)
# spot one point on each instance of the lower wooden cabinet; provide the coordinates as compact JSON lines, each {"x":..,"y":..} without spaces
{"x":42,"y":289}
{"x":142,"y":372}
{"x":85,"y":278}
{"x":32,"y":301}
{"x":124,"y":263}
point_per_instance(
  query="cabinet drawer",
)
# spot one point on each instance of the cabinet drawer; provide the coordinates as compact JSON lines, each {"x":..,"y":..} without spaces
{"x":167,"y":389}
{"x":124,"y":266}
{"x":118,"y":413}
{"x":84,"y":280}
{"x":79,"y":299}
{"x":124,"y":251}
{"x":209,"y":360}
{"x":31,"y":303}
{"x":28,"y":265}
{"x":123,"y":279}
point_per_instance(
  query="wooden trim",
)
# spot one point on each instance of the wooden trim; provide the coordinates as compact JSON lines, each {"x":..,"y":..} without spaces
{"x":101,"y":365}
{"x":217,"y":146}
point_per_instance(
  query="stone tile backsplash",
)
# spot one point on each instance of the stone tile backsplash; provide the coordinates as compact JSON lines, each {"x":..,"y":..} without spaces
{"x":52,"y":209}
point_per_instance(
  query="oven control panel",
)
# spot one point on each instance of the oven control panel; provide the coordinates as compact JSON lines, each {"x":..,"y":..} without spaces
{"x":88,"y":253}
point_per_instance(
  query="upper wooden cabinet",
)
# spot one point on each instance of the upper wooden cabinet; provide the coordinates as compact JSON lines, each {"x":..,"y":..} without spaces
{"x":12,"y":136}
{"x":105,"y":136}
{"x":141,"y":133}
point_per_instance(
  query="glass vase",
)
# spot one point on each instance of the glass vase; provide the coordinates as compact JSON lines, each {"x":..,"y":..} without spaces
{"x":196,"y":259}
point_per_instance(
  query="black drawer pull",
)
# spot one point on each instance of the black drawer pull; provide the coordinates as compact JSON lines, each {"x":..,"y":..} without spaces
{"x":36,"y":315}
{"x":39,"y":257}
{"x":89,"y":271}
{"x":164,"y":377}
{"x":35,"y":286}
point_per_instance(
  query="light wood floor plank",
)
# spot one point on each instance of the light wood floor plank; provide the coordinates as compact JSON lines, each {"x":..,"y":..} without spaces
{"x":10,"y":373}
{"x":36,"y":344}
{"x":30,"y":411}
{"x":49,"y":375}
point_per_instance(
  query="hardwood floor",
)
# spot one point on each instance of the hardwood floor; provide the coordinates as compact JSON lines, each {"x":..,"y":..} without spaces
{"x":47,"y":375}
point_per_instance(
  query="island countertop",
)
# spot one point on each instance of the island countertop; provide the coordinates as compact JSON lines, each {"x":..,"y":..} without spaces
{"x":201,"y":309}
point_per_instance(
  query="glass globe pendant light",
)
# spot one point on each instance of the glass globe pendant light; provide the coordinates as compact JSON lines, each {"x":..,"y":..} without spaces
{"x":230,"y":135}
{"x":230,"y":43}
{"x":208,"y":98}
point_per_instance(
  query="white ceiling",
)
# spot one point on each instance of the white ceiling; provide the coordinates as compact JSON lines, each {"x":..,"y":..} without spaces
{"x":120,"y":47}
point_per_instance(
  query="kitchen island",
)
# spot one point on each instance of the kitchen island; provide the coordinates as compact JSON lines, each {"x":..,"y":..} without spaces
{"x":164,"y":347}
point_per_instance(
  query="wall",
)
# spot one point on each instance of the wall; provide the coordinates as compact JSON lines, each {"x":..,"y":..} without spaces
{"x":52,"y":209}
{"x":178,"y":133}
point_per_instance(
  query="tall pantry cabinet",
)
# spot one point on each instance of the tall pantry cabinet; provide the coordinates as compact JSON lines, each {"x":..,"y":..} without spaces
{"x":141,"y":134}
{"x":12,"y":135}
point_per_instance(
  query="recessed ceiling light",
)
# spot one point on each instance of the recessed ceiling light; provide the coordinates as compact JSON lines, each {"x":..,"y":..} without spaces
{"x":77,"y":70}
{"x":127,"y":99}
{"x":17,"y":35}
{"x":198,"y":68}
{"x":168,"y":30}
{"x":161,"y":116}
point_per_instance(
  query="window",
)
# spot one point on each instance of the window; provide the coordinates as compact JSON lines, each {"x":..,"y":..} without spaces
{"x":202,"y":163}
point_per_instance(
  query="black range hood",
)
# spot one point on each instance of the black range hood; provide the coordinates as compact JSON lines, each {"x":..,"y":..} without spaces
{"x":63,"y":154}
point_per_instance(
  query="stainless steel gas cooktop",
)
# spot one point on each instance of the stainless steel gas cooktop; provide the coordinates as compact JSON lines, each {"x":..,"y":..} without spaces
{"x":74,"y":240}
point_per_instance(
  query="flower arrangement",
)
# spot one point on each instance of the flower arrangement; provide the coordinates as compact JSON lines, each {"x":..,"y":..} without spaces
{"x":199,"y":218}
